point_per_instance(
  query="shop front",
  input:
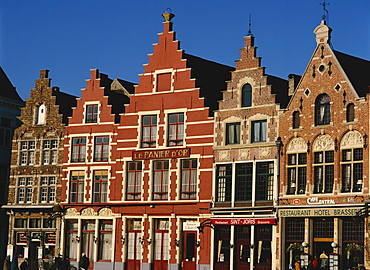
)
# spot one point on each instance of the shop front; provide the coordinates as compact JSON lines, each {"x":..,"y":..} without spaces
{"x":334,"y":236}
{"x":243,"y":243}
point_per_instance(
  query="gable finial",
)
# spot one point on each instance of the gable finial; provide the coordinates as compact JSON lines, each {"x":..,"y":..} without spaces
{"x":168,"y":15}
{"x":250,"y":26}
{"x":325,"y":15}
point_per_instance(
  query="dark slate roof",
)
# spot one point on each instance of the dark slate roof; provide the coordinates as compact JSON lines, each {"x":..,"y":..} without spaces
{"x":129,"y":86}
{"x":210,"y":77}
{"x":116,"y":99}
{"x":357,"y":70}
{"x":7,"y":90}
{"x":65,"y":102}
{"x":279,"y":87}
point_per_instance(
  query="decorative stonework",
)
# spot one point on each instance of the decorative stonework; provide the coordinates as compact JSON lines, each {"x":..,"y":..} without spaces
{"x":297,"y":145}
{"x":224,"y":155}
{"x":88,"y":212}
{"x":265,"y":152}
{"x":323,"y":142}
{"x":105,"y":212}
{"x":71,"y":212}
{"x":28,"y":135}
{"x":352,"y":139}
{"x":244,"y":154}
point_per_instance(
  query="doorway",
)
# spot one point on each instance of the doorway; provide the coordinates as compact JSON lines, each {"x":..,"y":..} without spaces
{"x":190,"y":250}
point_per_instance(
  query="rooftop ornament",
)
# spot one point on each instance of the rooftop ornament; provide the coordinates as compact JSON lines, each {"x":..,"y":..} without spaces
{"x":168,"y":15}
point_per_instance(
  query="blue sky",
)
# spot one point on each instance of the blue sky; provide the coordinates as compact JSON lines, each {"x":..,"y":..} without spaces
{"x":70,"y":37}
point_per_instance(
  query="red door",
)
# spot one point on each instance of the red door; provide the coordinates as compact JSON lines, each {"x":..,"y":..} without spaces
{"x":133,"y":250}
{"x":190,"y":251}
{"x":242,"y":255}
{"x":242,"y":248}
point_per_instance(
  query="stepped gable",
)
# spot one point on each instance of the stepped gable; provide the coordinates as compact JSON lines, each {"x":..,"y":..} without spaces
{"x":187,"y":71}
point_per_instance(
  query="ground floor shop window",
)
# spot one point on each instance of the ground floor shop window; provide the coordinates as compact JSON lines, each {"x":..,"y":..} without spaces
{"x":294,"y":238}
{"x":263,"y":238}
{"x":105,"y":239}
{"x":222,"y":246}
{"x":353,"y":242}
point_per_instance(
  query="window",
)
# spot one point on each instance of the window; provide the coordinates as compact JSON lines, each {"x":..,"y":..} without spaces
{"x":134,"y":176}
{"x":232,"y":133}
{"x":175,"y":129}
{"x":323,"y":171}
{"x":222,"y":245}
{"x":27,"y":153}
{"x":92,"y":113}
{"x":106,"y":240}
{"x":149,"y":131}
{"x":161,"y":175}
{"x":297,"y":164}
{"x":247,"y":95}
{"x":264,"y":181}
{"x":5,"y":131}
{"x":50,"y":152}
{"x":296,"y":120}
{"x":101,"y":148}
{"x":243,"y":183}
{"x":78,"y":149}
{"x":77,"y":187}
{"x":188,"y":178}
{"x":25,"y":189}
{"x":223,"y":178}
{"x":259,"y":129}
{"x":350,"y":113}
{"x":322,"y":109}
{"x":352,"y":170}
{"x":100,"y":187}
{"x":47,"y":189}
{"x":41,"y":115}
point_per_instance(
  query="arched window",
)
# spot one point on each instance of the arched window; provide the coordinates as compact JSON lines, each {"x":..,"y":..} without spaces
{"x":247,"y":95}
{"x":41,"y":115}
{"x":350,"y":115}
{"x":296,"y":120}
{"x":322,"y":110}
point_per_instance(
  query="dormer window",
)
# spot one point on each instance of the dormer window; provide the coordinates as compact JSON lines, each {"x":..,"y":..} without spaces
{"x":247,"y":95}
{"x":322,"y":110}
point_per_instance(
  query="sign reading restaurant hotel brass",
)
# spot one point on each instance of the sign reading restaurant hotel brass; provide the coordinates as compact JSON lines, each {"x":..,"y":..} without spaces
{"x":319,"y":212}
{"x":160,"y":154}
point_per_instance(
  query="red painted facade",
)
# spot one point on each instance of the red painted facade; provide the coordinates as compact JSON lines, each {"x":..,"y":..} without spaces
{"x":154,"y":188}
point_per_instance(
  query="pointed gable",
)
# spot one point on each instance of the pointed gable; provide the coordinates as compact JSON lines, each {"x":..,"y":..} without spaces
{"x":7,"y":90}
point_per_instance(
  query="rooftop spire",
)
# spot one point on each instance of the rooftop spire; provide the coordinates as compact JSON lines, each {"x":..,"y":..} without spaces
{"x":250,"y":26}
{"x":168,"y":15}
{"x":325,"y":16}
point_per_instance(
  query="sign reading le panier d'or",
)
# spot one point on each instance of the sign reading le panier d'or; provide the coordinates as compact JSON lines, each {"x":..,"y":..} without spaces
{"x":162,"y":153}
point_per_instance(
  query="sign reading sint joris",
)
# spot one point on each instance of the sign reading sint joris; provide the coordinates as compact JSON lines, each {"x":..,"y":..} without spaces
{"x":159,"y":154}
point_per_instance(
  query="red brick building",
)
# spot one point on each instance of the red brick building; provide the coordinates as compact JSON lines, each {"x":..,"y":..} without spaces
{"x":246,"y":153}
{"x":89,"y":171}
{"x":141,"y":206}
{"x":325,"y":166}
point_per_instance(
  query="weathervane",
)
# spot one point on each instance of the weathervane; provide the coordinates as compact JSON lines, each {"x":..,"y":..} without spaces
{"x":250,"y":24}
{"x":326,"y":12}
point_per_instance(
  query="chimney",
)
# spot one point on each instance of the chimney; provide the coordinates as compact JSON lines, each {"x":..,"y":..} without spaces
{"x":293,"y":82}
